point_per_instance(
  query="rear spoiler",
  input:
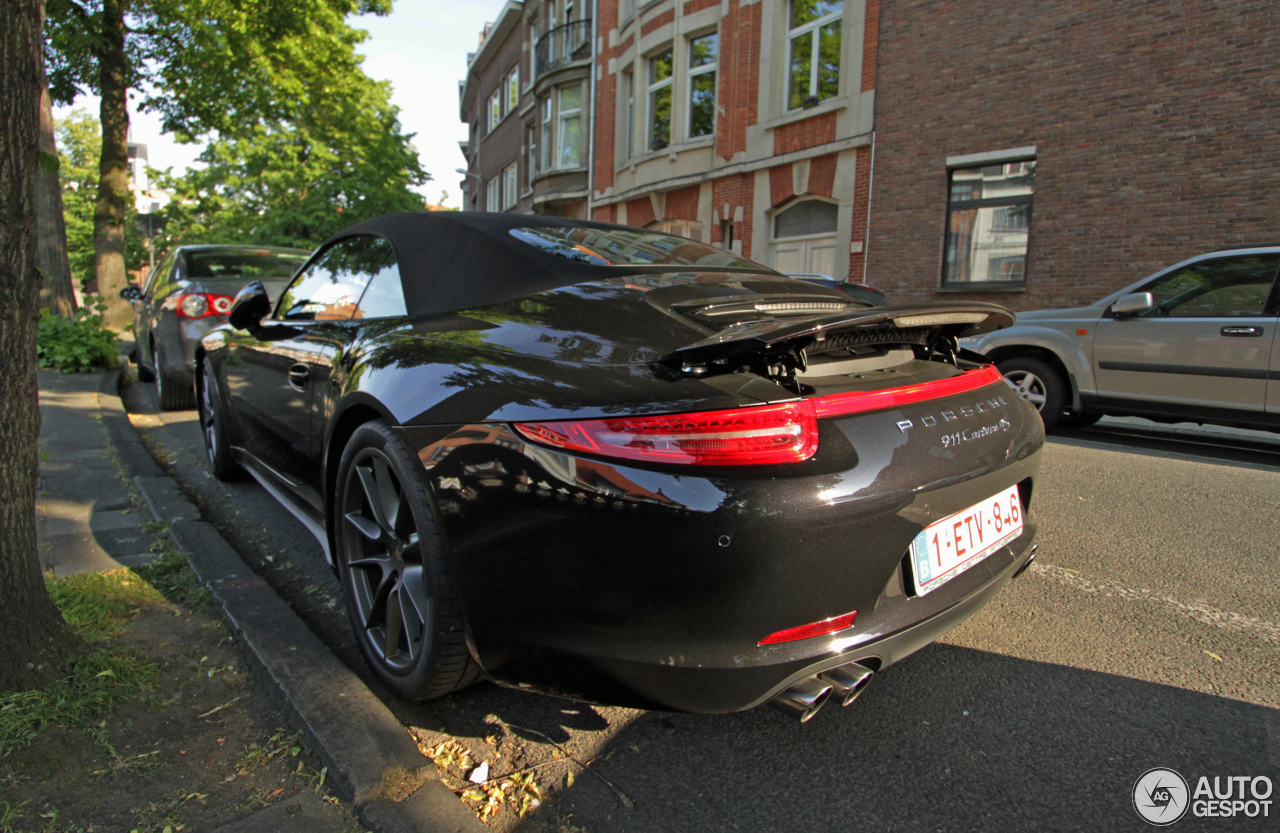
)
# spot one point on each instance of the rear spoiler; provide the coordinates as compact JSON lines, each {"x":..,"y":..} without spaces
{"x":923,"y":324}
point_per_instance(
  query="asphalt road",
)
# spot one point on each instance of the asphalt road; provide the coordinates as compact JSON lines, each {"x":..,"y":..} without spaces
{"x":1146,"y":635}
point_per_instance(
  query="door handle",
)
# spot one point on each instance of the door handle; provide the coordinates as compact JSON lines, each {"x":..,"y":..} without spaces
{"x":1242,"y":332}
{"x":299,"y":376}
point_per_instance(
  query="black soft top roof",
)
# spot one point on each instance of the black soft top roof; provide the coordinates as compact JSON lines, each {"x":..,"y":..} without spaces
{"x":455,"y":260}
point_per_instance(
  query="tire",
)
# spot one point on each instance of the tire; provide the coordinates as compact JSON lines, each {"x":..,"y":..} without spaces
{"x":173,"y":396}
{"x":1036,"y":381}
{"x":144,"y":372}
{"x":401,"y":594}
{"x":1076,"y":421}
{"x":213,"y":427}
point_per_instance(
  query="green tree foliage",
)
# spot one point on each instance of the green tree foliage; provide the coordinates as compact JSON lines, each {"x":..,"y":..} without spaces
{"x":276,"y":81}
{"x":294,"y":184}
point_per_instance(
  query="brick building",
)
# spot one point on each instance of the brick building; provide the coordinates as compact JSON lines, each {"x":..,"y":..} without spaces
{"x":698,"y":132}
{"x":1035,"y":154}
{"x":526,"y":97}
{"x":693,"y":132}
{"x":1042,"y":154}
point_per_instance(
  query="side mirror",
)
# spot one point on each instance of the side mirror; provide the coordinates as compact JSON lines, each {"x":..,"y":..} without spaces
{"x":131,"y":293}
{"x":250,"y":307}
{"x":1132,"y":304}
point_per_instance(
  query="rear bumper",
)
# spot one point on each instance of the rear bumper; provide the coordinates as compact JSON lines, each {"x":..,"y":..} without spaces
{"x":679,"y":682}
{"x":653,"y":588}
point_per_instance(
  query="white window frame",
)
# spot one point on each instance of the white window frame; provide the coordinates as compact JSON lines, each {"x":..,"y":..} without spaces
{"x":545,"y":162}
{"x":814,"y":26}
{"x":629,"y":112}
{"x":563,"y":116}
{"x":513,"y":90}
{"x":510,"y":185}
{"x":531,"y":162}
{"x":495,"y":109}
{"x":693,"y":72}
{"x":493,"y":194}
{"x":653,"y":89}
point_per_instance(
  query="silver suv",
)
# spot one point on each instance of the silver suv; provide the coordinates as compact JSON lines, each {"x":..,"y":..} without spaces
{"x":1193,"y":343}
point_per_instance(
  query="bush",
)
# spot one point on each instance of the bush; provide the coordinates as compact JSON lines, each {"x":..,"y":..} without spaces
{"x":74,"y":345}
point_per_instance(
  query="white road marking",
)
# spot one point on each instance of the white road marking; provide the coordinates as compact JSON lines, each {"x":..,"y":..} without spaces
{"x":1201,"y":613}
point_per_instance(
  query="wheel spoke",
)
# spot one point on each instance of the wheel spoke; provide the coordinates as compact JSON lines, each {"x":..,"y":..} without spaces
{"x":373,"y":496}
{"x":414,"y":588}
{"x":394,"y":621}
{"x":410,"y":619}
{"x":389,"y":493}
{"x":366,"y":527}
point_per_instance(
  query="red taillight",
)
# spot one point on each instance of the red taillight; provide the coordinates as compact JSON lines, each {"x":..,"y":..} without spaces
{"x":838,"y":404}
{"x":826,"y":626}
{"x":199,"y":304}
{"x":767,"y":434}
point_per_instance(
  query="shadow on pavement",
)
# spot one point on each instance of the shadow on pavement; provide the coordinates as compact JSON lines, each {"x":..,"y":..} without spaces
{"x":951,"y":739}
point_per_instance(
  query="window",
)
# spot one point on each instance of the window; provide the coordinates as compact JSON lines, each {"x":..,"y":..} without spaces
{"x":660,"y":66}
{"x":702,"y":85}
{"x":495,"y":110}
{"x":509,"y":186}
{"x":806,"y":218}
{"x":493,"y":194}
{"x":813,"y":58}
{"x":988,"y":224}
{"x":569,"y":144}
{"x":1228,"y":287}
{"x":329,"y":289}
{"x":384,"y":296}
{"x":505,"y":99}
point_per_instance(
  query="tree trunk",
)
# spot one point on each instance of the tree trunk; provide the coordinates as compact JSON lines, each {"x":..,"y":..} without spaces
{"x":51,"y":225}
{"x":113,"y":171}
{"x":33,"y":637}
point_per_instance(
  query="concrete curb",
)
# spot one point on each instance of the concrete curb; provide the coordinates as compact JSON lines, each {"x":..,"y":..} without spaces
{"x":365,"y":748}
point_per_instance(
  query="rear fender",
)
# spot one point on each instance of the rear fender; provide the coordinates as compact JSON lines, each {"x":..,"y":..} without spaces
{"x":1068,"y":352}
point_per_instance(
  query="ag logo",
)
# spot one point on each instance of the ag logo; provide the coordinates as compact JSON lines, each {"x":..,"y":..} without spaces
{"x":1161,"y":796}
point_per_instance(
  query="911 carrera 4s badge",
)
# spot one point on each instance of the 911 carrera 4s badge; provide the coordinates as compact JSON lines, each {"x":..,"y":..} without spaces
{"x":944,"y":549}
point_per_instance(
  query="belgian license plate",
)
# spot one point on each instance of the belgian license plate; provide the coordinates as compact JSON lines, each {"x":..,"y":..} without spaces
{"x":946,"y":548}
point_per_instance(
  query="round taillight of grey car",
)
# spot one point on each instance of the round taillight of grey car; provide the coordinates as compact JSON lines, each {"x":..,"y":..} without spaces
{"x":194,"y":306}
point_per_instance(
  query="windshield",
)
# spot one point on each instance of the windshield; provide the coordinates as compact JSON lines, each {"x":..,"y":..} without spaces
{"x":240,"y":264}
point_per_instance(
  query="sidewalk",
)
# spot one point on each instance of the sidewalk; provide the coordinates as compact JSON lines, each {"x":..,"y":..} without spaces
{"x":85,"y":521}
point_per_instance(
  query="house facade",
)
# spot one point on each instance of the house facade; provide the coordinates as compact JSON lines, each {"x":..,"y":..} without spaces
{"x":526,"y":98}
{"x":740,"y":123}
{"x":1033,"y":154}
{"x":1045,"y":154}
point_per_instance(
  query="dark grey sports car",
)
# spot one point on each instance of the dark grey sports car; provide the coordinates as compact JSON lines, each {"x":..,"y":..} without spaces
{"x":622,"y":466}
{"x":185,"y":296}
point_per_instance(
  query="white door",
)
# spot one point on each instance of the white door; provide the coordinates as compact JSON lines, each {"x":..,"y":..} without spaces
{"x":804,"y":238}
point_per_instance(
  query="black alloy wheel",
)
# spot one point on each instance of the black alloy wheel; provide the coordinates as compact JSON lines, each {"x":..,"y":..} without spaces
{"x":214,"y":429}
{"x":400,"y":591}
{"x":172,"y":396}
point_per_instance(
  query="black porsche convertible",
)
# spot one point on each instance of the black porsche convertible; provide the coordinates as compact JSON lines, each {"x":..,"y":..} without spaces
{"x":620,"y":466}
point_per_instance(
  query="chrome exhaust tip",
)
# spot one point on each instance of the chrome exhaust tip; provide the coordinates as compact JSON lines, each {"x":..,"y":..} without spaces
{"x":803,"y":699}
{"x":1027,"y":563}
{"x":847,"y":681}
